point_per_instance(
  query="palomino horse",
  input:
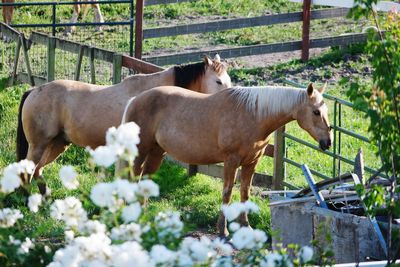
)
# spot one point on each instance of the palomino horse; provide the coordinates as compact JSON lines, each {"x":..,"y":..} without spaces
{"x":62,"y":112}
{"x":98,"y":17}
{"x":232,"y":126}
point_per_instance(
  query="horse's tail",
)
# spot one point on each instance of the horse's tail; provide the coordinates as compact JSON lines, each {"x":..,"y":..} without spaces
{"x":123,"y":120}
{"x":22,"y":142}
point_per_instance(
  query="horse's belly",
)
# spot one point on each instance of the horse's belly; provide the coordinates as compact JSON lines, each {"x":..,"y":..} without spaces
{"x":190,"y":150}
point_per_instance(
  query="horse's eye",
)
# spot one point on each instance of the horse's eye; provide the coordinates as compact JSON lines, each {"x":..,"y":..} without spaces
{"x":316,"y":112}
{"x":219,"y":82}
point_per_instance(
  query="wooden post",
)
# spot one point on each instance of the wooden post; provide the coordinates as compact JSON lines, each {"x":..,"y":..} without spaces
{"x":305,"y":45}
{"x":16,"y":60}
{"x":51,"y":58}
{"x":279,"y":153}
{"x":92,"y":68}
{"x":139,"y":28}
{"x":117,"y":68}
{"x":192,"y":170}
{"x":26,"y":57}
{"x":79,"y":62}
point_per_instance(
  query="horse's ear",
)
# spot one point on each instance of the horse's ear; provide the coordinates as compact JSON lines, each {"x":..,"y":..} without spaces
{"x":207,"y":60}
{"x":310,"y":90}
{"x":323,"y":88}
{"x":217,"y":58}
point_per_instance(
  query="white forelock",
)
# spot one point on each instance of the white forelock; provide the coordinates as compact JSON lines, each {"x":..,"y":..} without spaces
{"x":270,"y":100}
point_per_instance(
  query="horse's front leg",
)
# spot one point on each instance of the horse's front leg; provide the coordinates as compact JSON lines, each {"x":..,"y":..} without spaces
{"x":74,"y":19}
{"x":98,"y":17}
{"x":230,"y":169}
{"x":246,"y":178}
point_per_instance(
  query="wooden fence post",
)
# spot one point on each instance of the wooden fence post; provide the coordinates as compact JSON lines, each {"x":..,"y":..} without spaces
{"x":279,"y":165}
{"x":305,"y":44}
{"x":26,"y":57}
{"x":51,"y":58}
{"x":92,"y":67}
{"x":139,"y":28}
{"x":79,"y":62}
{"x":192,"y":170}
{"x":16,"y":60}
{"x":117,"y":68}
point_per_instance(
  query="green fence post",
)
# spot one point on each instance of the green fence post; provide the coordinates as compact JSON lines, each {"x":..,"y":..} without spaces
{"x":117,"y":68}
{"x":279,"y":165}
{"x":51,"y":58}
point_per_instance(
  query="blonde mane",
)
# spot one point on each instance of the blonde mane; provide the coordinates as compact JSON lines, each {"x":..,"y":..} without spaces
{"x":269,"y":100}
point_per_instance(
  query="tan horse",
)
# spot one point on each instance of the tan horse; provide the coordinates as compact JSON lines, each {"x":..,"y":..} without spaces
{"x":232,"y":126}
{"x":98,"y":17}
{"x":62,"y":112}
{"x":8,"y":11}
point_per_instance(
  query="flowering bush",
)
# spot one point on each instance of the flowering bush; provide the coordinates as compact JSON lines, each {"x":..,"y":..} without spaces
{"x":117,"y":234}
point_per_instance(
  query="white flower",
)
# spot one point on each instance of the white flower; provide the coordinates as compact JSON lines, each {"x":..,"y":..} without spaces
{"x":26,"y":166}
{"x":168,"y":224}
{"x":243,"y":238}
{"x":148,"y":188}
{"x":131,"y":213}
{"x":68,"y":177}
{"x":202,"y":250}
{"x":69,"y":210}
{"x":47,"y":249}
{"x":13,"y":241}
{"x":94,"y":247}
{"x":104,"y":156}
{"x":92,"y":227}
{"x":34,"y":202}
{"x":234,"y":226}
{"x":68,"y":256}
{"x":306,"y":253}
{"x":127,"y":232}
{"x":260,"y":237}
{"x":8,"y":217}
{"x":11,"y":178}
{"x":130,"y":254}
{"x":222,"y":247}
{"x":161,"y":255}
{"x":102,"y":195}
{"x":271,"y":260}
{"x":25,"y":246}
{"x":69,"y":236}
{"x":184,"y":259}
{"x":126,"y":190}
{"x":251,"y":207}
{"x":233,"y":211}
{"x":124,"y":140}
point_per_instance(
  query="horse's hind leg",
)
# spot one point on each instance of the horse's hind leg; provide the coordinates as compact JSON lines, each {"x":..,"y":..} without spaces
{"x":49,"y":154}
{"x":153,"y":160}
{"x":245,"y":185}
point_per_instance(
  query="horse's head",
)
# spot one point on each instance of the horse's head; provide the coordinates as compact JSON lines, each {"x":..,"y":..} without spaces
{"x":215,"y":76}
{"x":312,"y":116}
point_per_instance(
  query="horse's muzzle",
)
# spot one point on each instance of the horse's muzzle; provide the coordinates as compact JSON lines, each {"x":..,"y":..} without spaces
{"x":325,"y":144}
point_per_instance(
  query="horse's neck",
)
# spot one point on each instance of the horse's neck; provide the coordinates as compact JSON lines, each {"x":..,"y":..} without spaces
{"x":139,"y":83}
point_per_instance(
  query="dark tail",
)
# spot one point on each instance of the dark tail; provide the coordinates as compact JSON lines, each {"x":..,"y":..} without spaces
{"x":22,"y":143}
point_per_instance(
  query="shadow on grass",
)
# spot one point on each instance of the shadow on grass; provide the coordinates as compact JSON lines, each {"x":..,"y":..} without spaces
{"x":198,"y":198}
